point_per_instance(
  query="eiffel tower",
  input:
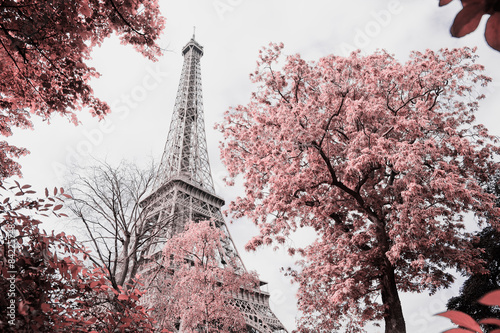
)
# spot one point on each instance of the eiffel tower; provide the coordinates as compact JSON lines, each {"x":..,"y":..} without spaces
{"x":184,"y":189}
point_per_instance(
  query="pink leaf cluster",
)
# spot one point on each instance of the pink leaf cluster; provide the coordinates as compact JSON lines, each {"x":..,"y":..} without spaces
{"x":197,"y":281}
{"x":468,"y":19}
{"x":44,"y":46}
{"x":467,"y":323}
{"x":383,"y":159}
{"x":44,"y":280}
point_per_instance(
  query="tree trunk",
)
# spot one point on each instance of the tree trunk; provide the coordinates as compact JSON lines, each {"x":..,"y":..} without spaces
{"x":394,"y":320}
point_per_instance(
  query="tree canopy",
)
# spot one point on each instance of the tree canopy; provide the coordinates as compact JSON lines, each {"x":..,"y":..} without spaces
{"x":383,"y":159}
{"x":44,"y":46}
{"x":195,"y":282}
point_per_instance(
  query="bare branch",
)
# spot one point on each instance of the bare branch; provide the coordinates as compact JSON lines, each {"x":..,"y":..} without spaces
{"x":106,"y":200}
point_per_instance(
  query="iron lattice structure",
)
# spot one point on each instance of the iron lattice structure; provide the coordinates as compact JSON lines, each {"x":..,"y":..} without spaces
{"x":184,"y":191}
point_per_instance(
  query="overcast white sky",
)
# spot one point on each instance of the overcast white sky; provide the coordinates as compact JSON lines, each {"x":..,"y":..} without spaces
{"x":142,"y":95}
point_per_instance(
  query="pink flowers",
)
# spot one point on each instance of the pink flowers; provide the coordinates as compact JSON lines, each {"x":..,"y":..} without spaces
{"x":381,"y":159}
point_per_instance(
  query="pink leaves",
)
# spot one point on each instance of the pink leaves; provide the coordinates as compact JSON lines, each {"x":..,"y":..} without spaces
{"x":45,"y":307}
{"x":379,"y":158}
{"x":444,"y":2}
{"x":467,"y":20}
{"x":85,"y":9}
{"x":201,"y":242}
{"x":197,"y":280}
{"x":462,"y":319}
{"x":492,"y":32}
{"x":490,"y":321}
{"x":50,"y":275}
{"x":53,"y":76}
{"x":492,"y":298}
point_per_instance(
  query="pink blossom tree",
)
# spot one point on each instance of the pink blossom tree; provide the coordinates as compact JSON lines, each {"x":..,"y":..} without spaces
{"x":381,"y":158}
{"x":196,"y":282}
